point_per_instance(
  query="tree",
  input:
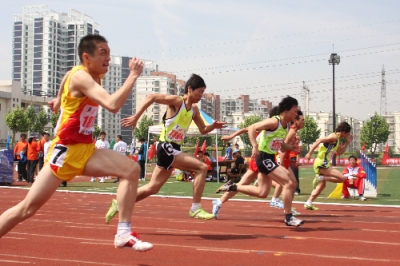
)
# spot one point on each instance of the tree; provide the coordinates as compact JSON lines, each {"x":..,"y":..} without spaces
{"x":54,"y":119}
{"x":374,"y":131}
{"x":248,"y":122}
{"x":96,"y":132}
{"x":142,"y":129}
{"x":40,"y":121}
{"x":310,"y":133}
{"x":30,"y":113}
{"x":16,"y":121}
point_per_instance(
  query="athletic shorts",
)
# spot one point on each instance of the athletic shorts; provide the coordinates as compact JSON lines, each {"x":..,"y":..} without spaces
{"x":166,"y":152}
{"x":253,"y":165}
{"x":68,"y":161}
{"x":320,"y":163}
{"x":266,"y":163}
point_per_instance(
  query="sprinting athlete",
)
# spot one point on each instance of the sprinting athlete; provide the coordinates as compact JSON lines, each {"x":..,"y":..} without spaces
{"x":251,"y":173}
{"x":101,"y":143}
{"x":72,"y":152}
{"x":322,"y":166}
{"x":180,"y":112}
{"x":121,"y":147}
{"x":271,"y":140}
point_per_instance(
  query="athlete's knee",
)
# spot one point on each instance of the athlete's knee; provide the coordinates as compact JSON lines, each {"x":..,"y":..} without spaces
{"x":132,"y":172}
{"x":27,"y":210}
{"x":153,"y":188}
{"x":202,"y":168}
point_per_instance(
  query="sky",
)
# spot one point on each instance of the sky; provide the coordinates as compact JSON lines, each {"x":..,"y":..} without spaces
{"x":264,"y":48}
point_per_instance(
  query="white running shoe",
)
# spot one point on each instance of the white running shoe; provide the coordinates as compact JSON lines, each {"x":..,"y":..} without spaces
{"x":132,"y":241}
{"x":102,"y":180}
{"x":93,"y":179}
{"x":293,"y":221}
{"x":276,"y":204}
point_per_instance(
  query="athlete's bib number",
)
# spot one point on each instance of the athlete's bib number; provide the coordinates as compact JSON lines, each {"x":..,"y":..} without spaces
{"x":87,"y":118}
{"x":58,"y":155}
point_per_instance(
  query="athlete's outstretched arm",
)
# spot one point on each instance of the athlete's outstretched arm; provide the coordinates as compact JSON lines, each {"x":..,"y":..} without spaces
{"x":237,"y":133}
{"x":84,"y":83}
{"x":330,"y":139}
{"x":200,"y":123}
{"x":170,"y":100}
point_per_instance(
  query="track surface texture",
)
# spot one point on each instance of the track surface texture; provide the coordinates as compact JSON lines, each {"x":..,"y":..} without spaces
{"x":70,"y":230}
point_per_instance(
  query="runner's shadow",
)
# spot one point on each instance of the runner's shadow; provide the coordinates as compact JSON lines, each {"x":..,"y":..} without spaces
{"x":306,"y":229}
{"x":352,"y":211}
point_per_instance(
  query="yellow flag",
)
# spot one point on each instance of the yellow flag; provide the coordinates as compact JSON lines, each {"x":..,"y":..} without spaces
{"x":337,"y":193}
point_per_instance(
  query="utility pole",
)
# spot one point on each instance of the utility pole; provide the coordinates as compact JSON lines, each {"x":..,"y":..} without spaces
{"x":306,"y":90}
{"x":383,"y":93}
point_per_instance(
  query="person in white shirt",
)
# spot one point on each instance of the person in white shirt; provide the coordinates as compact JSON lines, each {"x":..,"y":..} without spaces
{"x":121,"y":147}
{"x":101,"y":143}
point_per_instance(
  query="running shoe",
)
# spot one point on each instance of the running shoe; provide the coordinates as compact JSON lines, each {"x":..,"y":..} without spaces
{"x":295,"y":213}
{"x":362,"y":198}
{"x":112,"y":211}
{"x":229,"y":186}
{"x":276,"y":204}
{"x":201,"y":214}
{"x":310,"y":207}
{"x":93,"y":179}
{"x":132,"y":241}
{"x":102,"y":180}
{"x":216,"y":208}
{"x":293,"y":221}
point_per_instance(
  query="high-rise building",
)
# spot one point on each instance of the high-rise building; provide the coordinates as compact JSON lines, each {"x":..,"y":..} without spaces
{"x":45,"y":47}
{"x":243,"y":104}
{"x":210,"y":104}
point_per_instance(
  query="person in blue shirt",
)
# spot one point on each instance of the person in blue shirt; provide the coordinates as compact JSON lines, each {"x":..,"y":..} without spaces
{"x":142,"y":158}
{"x":228,"y":152}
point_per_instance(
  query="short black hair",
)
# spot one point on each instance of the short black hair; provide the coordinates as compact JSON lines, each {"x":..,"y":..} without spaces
{"x":206,"y":153}
{"x":299,"y":113}
{"x":343,"y":127}
{"x":89,"y":43}
{"x":142,"y":140}
{"x":352,"y":156}
{"x":103,"y":133}
{"x":194,"y":82}
{"x":274,"y":111}
{"x":119,"y":136}
{"x":287,"y":103}
{"x":22,"y":135}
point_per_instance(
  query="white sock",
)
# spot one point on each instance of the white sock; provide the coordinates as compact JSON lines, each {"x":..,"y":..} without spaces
{"x":124,"y":229}
{"x":274,"y":199}
{"x":309,"y":202}
{"x":195,"y":206}
{"x":219,"y":202}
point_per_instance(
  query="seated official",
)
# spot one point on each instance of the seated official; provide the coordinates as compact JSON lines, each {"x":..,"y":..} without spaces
{"x":356,"y":178}
{"x":238,"y":160}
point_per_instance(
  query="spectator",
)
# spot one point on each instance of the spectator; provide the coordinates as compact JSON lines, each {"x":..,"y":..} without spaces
{"x":356,"y":177}
{"x":238,"y":160}
{"x":228,"y":152}
{"x":236,"y":148}
{"x":142,"y":158}
{"x":21,"y":150}
{"x":33,"y":158}
{"x":45,"y":138}
{"x":208,"y":161}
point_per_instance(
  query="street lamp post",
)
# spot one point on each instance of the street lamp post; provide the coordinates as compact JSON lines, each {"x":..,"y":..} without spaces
{"x":334,"y":60}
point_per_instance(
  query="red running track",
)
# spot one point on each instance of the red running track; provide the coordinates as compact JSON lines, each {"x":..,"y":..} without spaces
{"x":70,"y":230}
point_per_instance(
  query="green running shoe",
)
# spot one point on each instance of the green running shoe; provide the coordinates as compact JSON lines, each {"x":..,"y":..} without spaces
{"x":310,"y":207}
{"x":112,"y":211}
{"x":201,"y":214}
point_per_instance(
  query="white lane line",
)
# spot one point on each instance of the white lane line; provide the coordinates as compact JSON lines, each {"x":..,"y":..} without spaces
{"x":62,"y":260}
{"x":15,"y":261}
{"x":248,"y":251}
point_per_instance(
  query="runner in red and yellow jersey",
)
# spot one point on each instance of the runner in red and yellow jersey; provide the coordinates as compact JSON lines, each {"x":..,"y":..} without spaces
{"x":72,"y":151}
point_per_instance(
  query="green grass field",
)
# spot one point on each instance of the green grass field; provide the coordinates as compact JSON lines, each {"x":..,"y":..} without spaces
{"x":388,"y":188}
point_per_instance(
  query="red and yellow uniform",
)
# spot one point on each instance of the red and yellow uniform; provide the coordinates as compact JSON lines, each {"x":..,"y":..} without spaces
{"x":73,"y":144}
{"x":358,"y":183}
